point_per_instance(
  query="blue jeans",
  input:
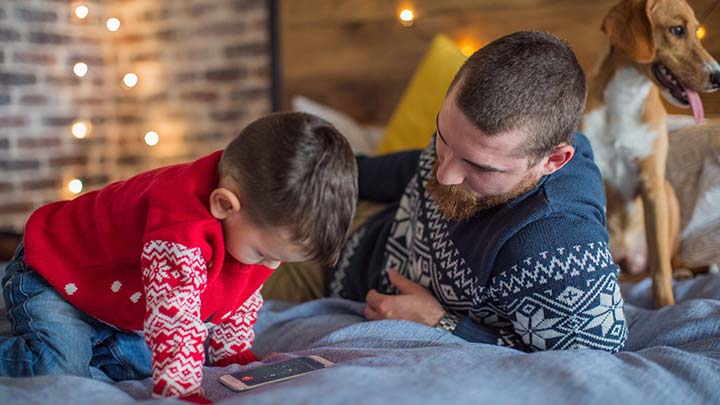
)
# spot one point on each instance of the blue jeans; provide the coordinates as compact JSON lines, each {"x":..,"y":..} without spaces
{"x":51,"y":336}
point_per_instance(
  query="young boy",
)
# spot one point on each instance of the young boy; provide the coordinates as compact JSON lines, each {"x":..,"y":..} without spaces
{"x":171,"y":256}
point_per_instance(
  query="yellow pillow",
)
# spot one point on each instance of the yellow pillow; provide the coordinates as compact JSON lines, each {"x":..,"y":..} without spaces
{"x":413,"y":121}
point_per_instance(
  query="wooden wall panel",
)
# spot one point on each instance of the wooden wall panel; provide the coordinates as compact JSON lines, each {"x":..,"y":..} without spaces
{"x":355,"y":56}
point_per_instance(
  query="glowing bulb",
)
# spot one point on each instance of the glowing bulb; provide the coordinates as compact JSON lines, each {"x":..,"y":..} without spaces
{"x":75,"y":186}
{"x":80,"y":69}
{"x":80,"y":129}
{"x":467,"y":46}
{"x":81,"y":12}
{"x":130,"y":79}
{"x":701,"y":32}
{"x":407,"y":17}
{"x":113,"y":24}
{"x":467,"y":49}
{"x":152,"y":138}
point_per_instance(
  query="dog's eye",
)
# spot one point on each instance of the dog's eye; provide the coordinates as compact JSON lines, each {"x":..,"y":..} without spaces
{"x":677,"y":30}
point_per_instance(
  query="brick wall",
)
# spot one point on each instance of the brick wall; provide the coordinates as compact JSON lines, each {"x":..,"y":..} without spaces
{"x":203,"y":70}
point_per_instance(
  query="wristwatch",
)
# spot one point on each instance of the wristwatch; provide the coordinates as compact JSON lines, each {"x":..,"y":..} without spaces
{"x":448,"y":322}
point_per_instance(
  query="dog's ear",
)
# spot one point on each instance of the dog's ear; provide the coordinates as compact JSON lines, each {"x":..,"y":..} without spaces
{"x":630,"y":29}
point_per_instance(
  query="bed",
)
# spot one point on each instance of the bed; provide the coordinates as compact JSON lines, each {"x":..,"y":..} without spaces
{"x":673,"y":356}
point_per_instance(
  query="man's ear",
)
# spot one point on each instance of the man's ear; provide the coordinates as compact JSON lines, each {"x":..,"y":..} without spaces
{"x":558,"y":158}
{"x":223,"y":202}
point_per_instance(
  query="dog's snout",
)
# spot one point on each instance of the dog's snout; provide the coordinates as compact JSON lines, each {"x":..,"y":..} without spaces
{"x":715,"y":79}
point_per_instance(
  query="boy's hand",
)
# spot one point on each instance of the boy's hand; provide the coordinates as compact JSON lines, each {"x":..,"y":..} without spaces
{"x":414,"y":303}
{"x":269,"y":355}
{"x":197,"y":399}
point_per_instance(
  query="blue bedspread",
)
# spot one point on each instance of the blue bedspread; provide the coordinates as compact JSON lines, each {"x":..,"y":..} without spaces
{"x":673,"y":357}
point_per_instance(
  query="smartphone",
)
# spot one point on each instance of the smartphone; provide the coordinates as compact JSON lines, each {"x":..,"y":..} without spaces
{"x":284,"y":370}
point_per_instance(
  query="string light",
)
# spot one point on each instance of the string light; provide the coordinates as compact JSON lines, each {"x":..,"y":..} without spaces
{"x":81,"y":12}
{"x":80,"y":69}
{"x":130,"y":80}
{"x":75,"y":186}
{"x":80,"y":129}
{"x":152,"y":138}
{"x":467,"y":46}
{"x":701,"y":32}
{"x":113,"y":24}
{"x":407,"y":17}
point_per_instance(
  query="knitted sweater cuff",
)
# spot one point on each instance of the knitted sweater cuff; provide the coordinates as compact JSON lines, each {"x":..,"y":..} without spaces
{"x":242,"y":358}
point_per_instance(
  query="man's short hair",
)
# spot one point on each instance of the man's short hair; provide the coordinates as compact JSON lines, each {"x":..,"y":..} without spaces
{"x":295,"y":171}
{"x":528,"y":81}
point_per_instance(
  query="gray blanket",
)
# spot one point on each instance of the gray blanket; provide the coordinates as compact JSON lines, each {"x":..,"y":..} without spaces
{"x":673,"y":356}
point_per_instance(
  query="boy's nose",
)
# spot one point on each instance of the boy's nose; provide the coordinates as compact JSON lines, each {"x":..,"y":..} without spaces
{"x":271,"y":264}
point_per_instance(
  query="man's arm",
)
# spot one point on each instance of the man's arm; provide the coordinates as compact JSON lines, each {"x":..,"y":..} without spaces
{"x":555,"y":283}
{"x":383,"y":179}
{"x":416,"y":303}
{"x":231,"y":340}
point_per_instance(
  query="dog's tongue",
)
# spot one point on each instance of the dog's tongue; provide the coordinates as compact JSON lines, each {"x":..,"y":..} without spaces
{"x":696,"y":105}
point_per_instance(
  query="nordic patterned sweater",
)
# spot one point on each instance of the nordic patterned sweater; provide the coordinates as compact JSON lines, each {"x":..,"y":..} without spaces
{"x":146,"y":254}
{"x":533,"y":274}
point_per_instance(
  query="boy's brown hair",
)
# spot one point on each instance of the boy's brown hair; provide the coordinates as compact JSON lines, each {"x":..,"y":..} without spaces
{"x":295,"y":171}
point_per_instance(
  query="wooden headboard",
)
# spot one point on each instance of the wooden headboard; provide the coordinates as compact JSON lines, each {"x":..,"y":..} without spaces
{"x":355,"y":56}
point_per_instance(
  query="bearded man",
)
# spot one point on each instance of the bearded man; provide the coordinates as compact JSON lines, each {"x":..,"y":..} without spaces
{"x":496,"y":231}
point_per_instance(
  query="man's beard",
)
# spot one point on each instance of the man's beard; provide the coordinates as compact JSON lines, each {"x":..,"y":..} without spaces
{"x":457,"y":203}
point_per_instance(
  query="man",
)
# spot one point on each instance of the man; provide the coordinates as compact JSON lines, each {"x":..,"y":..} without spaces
{"x":495,"y":232}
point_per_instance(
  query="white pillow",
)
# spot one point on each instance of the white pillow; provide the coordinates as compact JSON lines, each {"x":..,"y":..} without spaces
{"x":363,"y":140}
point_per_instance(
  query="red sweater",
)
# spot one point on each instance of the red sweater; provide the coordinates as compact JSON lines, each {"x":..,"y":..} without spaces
{"x":146,"y":254}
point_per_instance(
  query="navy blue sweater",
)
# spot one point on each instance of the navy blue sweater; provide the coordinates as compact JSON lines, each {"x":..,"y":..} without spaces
{"x":534,"y":274}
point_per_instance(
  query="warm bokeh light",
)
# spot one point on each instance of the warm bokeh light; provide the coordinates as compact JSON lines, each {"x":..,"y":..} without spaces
{"x":75,"y":186}
{"x":467,"y":46}
{"x":113,"y":24}
{"x":80,"y":129}
{"x":81,"y":12}
{"x":130,"y":79}
{"x":80,"y":69}
{"x":152,"y":138}
{"x":407,"y":17}
{"x":701,"y":32}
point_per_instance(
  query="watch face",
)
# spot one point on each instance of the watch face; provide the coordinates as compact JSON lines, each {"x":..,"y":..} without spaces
{"x":448,"y":322}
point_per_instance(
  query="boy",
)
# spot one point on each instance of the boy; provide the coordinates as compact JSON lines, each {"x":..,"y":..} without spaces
{"x":171,"y":249}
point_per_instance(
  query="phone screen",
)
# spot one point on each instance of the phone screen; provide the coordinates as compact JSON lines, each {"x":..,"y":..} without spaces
{"x":284,"y":369}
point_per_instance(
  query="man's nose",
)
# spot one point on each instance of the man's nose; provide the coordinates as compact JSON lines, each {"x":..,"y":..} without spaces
{"x":448,"y":174}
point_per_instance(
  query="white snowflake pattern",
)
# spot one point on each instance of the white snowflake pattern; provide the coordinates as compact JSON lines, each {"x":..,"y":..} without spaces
{"x":535,"y":330}
{"x":70,"y":288}
{"x":115,"y":287}
{"x":608,"y":312}
{"x":135,"y":297}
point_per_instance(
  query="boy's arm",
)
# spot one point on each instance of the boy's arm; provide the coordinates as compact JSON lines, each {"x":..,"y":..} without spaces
{"x":174,"y":277}
{"x":231,"y":340}
{"x":383,"y":178}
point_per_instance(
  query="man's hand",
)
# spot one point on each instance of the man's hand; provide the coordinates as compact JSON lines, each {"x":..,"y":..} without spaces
{"x":415,"y":303}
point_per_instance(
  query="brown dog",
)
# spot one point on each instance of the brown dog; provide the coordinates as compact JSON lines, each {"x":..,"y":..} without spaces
{"x":654,"y":51}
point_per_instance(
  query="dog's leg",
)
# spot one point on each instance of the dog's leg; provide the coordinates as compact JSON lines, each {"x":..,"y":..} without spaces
{"x":680,"y":270}
{"x":657,"y":222}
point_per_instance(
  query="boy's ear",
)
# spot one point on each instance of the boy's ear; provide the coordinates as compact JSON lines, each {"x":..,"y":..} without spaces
{"x":223,"y":202}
